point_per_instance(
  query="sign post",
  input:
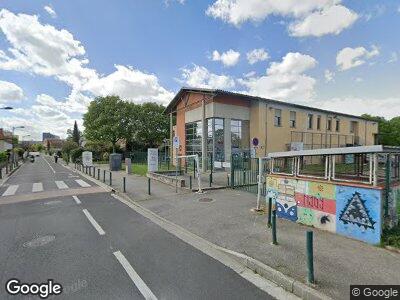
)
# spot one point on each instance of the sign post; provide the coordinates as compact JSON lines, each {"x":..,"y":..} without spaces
{"x":152,"y":160}
{"x":87,"y":159}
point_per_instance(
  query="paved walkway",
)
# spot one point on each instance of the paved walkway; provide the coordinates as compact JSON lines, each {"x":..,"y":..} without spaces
{"x":229,"y":222}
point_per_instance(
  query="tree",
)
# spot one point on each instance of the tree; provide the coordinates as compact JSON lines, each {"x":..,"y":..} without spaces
{"x":105,"y":120}
{"x":74,"y":134}
{"x":66,"y":149}
{"x":389,"y":130}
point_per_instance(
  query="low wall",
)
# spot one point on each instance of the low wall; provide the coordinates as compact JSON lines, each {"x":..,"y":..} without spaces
{"x":167,"y":177}
{"x":354,"y":211}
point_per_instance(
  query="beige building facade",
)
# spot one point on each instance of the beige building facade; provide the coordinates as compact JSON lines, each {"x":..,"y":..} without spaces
{"x":216,"y":124}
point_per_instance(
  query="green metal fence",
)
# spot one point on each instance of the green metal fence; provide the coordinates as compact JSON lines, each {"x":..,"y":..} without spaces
{"x":244,"y":173}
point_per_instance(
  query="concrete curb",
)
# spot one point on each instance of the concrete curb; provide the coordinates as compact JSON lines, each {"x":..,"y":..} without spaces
{"x":291,"y":285}
{"x":236,"y":261}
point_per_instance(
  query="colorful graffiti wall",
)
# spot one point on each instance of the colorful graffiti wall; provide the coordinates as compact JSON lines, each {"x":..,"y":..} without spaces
{"x":347,"y":210}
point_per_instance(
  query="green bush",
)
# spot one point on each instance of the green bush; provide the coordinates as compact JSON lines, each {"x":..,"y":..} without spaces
{"x":3,"y":156}
{"x":76,"y":154}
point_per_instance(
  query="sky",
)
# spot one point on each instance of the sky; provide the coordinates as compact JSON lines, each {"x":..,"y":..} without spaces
{"x":56,"y":56}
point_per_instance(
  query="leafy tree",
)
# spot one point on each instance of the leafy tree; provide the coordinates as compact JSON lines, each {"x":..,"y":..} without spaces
{"x":389,"y":130}
{"x":105,"y":120}
{"x":74,"y":134}
{"x":66,"y":149}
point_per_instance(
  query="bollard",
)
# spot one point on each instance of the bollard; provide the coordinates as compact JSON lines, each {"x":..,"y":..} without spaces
{"x":274,"y":241}
{"x":148,"y":186}
{"x":210,"y":179}
{"x":104,"y":176}
{"x":94,"y":172}
{"x":227,"y":179}
{"x":269,"y":212}
{"x":110,"y":178}
{"x":1,"y":173}
{"x":98,"y":174}
{"x":190,"y":182}
{"x":124,"y":184}
{"x":310,"y":257}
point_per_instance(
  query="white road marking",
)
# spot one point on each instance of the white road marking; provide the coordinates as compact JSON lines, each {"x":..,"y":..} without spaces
{"x":37,"y":187}
{"x":140,"y":284}
{"x":93,"y":221}
{"x":61,"y":185}
{"x":82,"y":183}
{"x":11,"y":190}
{"x":49,"y":165}
{"x":77,"y":200}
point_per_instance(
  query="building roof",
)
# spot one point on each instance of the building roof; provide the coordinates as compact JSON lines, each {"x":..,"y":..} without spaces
{"x":217,"y":92}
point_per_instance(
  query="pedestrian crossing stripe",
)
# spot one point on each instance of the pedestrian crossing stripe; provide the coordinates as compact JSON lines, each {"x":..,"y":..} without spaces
{"x":11,"y":190}
{"x":61,"y":185}
{"x":37,"y":187}
{"x":82,"y":183}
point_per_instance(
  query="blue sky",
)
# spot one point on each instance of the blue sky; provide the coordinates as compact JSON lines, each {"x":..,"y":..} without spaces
{"x":55,"y":56}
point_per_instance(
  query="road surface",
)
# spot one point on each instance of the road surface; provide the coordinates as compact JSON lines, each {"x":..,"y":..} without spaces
{"x":55,"y":224}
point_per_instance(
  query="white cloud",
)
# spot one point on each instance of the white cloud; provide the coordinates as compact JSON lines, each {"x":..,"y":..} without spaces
{"x":50,"y":11}
{"x":331,"y":20}
{"x":285,"y":80}
{"x":199,"y":76}
{"x":168,"y":2}
{"x":386,"y":107}
{"x":358,"y":79}
{"x":257,"y":55}
{"x":393,"y":57}
{"x":329,"y":76}
{"x":312,"y":17}
{"x":131,"y":84}
{"x":44,"y":50}
{"x":10,"y":92}
{"x":348,"y":58}
{"x":228,"y":58}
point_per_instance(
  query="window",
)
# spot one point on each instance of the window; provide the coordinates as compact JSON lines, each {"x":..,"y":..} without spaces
{"x":215,"y":139}
{"x":337,"y":125}
{"x":193,"y":133}
{"x":292,"y":121}
{"x":353,"y":126}
{"x":329,"y":124}
{"x":278,"y":117}
{"x":310,"y":121}
{"x":240,"y":135}
{"x":319,"y":123}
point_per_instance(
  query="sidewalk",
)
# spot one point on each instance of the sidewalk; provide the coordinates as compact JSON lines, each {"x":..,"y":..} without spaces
{"x":229,"y":222}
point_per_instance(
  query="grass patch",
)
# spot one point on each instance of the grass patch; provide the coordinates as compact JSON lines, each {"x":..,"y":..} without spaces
{"x":391,"y":237}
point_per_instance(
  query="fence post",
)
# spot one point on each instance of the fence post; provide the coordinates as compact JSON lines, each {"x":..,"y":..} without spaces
{"x":148,"y":186}
{"x":269,"y":211}
{"x":124,"y":184}
{"x":387,"y":185}
{"x":110,"y":178}
{"x":190,"y":182}
{"x":274,"y":240}
{"x":310,"y":257}
{"x":232,"y":172}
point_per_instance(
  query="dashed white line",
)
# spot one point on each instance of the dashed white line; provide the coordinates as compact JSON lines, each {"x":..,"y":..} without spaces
{"x":11,"y":190}
{"x":61,"y":185}
{"x":94,"y":223}
{"x":77,"y":200}
{"x":82,"y":183}
{"x":49,"y":165}
{"x":140,"y":284}
{"x":37,"y":187}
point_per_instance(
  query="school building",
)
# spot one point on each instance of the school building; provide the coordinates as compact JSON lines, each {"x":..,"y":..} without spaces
{"x":218,"y":124}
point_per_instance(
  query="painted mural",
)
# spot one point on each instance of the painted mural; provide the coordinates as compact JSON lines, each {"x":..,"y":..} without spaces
{"x":350,"y":211}
{"x":358,"y":213}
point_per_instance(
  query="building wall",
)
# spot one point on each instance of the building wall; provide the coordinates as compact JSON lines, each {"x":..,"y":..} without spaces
{"x":350,"y":210}
{"x":261,"y":115}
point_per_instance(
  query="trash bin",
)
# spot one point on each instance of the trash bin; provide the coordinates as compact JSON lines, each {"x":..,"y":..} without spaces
{"x":115,"y":161}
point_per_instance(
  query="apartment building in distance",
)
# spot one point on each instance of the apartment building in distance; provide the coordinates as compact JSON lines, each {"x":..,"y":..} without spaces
{"x":220,"y":123}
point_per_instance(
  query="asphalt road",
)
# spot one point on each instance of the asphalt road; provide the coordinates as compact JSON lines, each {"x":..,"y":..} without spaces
{"x":55,"y":224}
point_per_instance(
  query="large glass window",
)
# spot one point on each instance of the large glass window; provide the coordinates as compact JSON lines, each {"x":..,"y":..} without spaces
{"x":318,"y":122}
{"x":193,"y":134}
{"x":240,"y":135}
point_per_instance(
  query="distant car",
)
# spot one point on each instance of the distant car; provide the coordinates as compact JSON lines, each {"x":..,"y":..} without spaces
{"x":34,"y":153}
